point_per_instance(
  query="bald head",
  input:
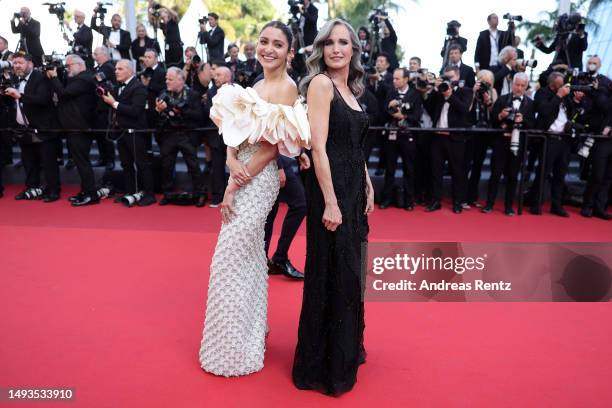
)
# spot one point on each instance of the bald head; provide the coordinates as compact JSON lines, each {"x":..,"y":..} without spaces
{"x":25,"y":13}
{"x":79,"y":17}
{"x":222,"y":76}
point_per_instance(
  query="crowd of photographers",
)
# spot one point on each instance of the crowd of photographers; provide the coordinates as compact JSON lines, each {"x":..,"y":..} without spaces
{"x":124,"y":86}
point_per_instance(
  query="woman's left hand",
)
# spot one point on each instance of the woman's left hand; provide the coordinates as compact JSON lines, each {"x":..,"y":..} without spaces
{"x":369,"y":200}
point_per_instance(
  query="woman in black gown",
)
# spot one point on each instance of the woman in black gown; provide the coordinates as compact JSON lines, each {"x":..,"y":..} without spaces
{"x":339,"y":198}
{"x":142,"y":43}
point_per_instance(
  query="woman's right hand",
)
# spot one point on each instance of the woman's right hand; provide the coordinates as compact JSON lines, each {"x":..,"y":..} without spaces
{"x":332,"y":217}
{"x":227,"y":205}
{"x":239,"y":172}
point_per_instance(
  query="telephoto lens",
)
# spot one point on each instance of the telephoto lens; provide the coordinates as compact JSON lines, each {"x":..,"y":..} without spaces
{"x":131,"y":199}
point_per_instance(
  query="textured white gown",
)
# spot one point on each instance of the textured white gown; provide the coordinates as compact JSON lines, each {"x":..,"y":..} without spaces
{"x":233,"y":339}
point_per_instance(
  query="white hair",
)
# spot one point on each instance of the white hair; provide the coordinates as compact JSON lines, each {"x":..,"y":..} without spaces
{"x":75,"y":58}
{"x":504,"y":54}
{"x":104,"y":50}
{"x":179,"y":72}
{"x":130,"y":64}
{"x":520,"y":76}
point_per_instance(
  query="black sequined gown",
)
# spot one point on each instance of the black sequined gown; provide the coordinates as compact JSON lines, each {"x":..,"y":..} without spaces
{"x":330,"y":336}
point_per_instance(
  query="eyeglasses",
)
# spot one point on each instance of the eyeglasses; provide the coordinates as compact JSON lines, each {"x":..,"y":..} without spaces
{"x":593,"y":56}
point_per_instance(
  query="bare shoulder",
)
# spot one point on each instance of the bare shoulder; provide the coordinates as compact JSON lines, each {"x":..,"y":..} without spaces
{"x":321,"y":87}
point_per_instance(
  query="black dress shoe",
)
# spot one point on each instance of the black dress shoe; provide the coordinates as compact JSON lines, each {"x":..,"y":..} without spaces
{"x":487,"y":209}
{"x":457,"y":208}
{"x":86,"y":200}
{"x":287,"y":269}
{"x":559,"y":211}
{"x":165,"y":200}
{"x":99,"y":163}
{"x":434,"y":206}
{"x":200,"y":201}
{"x":586,"y":212}
{"x":409,"y":207}
{"x":50,"y":197}
{"x":146,"y":201}
{"x":273,"y":268}
{"x":602,"y":215}
{"x":535,"y":210}
{"x":510,"y":212}
{"x":77,"y":197}
{"x":385,"y":204}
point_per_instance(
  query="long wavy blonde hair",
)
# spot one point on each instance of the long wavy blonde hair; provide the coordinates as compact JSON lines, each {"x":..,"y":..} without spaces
{"x":316,"y":61}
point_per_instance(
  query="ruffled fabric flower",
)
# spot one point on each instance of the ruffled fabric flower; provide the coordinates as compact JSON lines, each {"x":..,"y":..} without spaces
{"x":242,"y":115}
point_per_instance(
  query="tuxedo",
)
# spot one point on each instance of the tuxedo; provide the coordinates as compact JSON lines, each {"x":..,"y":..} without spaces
{"x":125,"y":41}
{"x":76,"y":108}
{"x":130,"y":114}
{"x":83,"y":37}
{"x":102,"y":117}
{"x":30,"y":31}
{"x":38,"y":150}
{"x":174,"y":45}
{"x":388,"y":45}
{"x":310,"y":16}
{"x":482,"y":55}
{"x":449,"y":147}
{"x":503,"y":160}
{"x":214,"y":40}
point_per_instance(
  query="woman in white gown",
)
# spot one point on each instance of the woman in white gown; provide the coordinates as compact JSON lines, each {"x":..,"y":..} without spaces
{"x":256,"y":124}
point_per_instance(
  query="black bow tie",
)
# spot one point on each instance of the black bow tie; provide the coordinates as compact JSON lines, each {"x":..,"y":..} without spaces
{"x":23,"y":79}
{"x":517,"y":98}
{"x":121,"y":84}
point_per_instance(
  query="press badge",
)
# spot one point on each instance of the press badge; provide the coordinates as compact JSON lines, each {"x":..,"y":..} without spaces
{"x":393,"y":135}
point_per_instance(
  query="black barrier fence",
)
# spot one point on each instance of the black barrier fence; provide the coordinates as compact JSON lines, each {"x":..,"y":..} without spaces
{"x":526,"y":136}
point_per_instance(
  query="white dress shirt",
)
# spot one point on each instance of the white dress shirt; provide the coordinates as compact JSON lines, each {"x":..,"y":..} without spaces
{"x":21,"y":117}
{"x":115,"y":38}
{"x":493,"y":35}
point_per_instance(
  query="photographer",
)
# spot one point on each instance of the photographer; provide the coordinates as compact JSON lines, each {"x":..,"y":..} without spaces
{"x":506,"y":69}
{"x":82,"y":38}
{"x":142,"y":43}
{"x":153,"y":77}
{"x":452,"y":37}
{"x":557,"y":111}
{"x":570,"y":40}
{"x":598,"y":152}
{"x":31,"y":113}
{"x":512,"y":111}
{"x":489,"y":43}
{"x":466,"y":73}
{"x":404,"y":109}
{"x":76,"y":109}
{"x":128,"y":101}
{"x":251,"y":68}
{"x":104,"y":73}
{"x":167,"y":20}
{"x":119,"y":41}
{"x":180,"y":110}
{"x":308,"y":22}
{"x":388,"y":44}
{"x":232,"y":61}
{"x":449,"y":107}
{"x":366,"y":46}
{"x":6,"y":76}
{"x":213,"y":38}
{"x":485,"y":97}
{"x":191,"y":67}
{"x":29,"y":29}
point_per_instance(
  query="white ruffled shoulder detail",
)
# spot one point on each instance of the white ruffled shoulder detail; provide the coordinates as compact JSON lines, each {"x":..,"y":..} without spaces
{"x":242,"y":115}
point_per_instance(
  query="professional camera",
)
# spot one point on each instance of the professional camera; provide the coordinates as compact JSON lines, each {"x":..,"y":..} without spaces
{"x":57,"y":9}
{"x":511,"y":116}
{"x":447,"y":84}
{"x":568,"y":23}
{"x":375,"y":15}
{"x":531,"y":63}
{"x":452,"y":29}
{"x":17,"y":15}
{"x":103,"y":86}
{"x":402,"y":107}
{"x":101,"y":9}
{"x":8,"y":81}
{"x":484,"y":88}
{"x":130,"y":199}
{"x":51,"y":62}
{"x":294,"y":6}
{"x":582,"y":82}
{"x":6,"y":65}
{"x":145,"y":73}
{"x":154,"y":9}
{"x":175,"y":104}
{"x":510,"y":17}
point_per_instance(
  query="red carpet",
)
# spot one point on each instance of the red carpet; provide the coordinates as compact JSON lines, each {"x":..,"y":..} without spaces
{"x":110,"y":301}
